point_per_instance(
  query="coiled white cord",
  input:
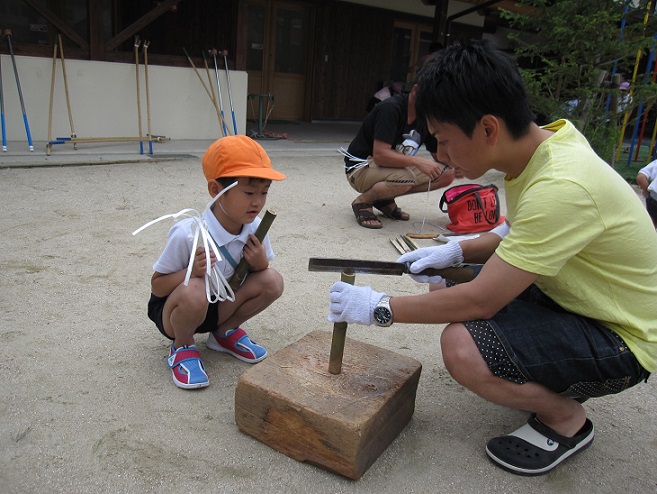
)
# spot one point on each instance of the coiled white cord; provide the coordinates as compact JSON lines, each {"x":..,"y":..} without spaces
{"x":217,"y":289}
{"x":358,"y":162}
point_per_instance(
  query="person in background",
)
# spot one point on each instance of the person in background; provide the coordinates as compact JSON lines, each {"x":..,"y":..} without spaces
{"x":381,"y":162}
{"x":647,"y":180}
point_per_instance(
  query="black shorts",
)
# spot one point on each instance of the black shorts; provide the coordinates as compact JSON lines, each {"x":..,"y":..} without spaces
{"x":156,"y":307}
{"x":534,"y":339}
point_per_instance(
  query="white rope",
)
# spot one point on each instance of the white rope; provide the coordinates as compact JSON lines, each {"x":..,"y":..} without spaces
{"x":358,"y":162}
{"x":217,"y":289}
{"x":426,"y":203}
{"x":426,"y":207}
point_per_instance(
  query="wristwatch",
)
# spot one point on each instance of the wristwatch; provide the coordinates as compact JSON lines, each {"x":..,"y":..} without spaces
{"x":383,"y":312}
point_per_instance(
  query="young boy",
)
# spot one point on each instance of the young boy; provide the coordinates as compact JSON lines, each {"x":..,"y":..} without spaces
{"x":565,"y":306}
{"x":180,"y":311}
{"x":647,"y":180}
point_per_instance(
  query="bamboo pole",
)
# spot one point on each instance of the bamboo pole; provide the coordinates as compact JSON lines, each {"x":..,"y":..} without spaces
{"x":148,"y":98}
{"x":63,"y":140}
{"x":339,"y":334}
{"x":52,"y":92}
{"x":214,"y":102}
{"x":242,"y":268}
{"x":207,"y":72}
{"x":141,"y":143}
{"x":221,"y":103}
{"x":68,"y":99}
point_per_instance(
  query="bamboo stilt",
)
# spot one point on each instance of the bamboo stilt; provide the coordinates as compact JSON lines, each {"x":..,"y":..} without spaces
{"x":242,"y":268}
{"x":148,"y":98}
{"x":68,"y":99}
{"x":339,"y":334}
{"x":141,"y":144}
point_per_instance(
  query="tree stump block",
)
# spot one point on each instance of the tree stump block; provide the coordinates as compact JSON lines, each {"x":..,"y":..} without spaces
{"x":343,"y":422}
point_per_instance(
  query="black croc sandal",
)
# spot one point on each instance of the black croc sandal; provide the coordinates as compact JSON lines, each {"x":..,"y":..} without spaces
{"x":390,"y":210}
{"x":535,"y":449}
{"x":364,"y":215}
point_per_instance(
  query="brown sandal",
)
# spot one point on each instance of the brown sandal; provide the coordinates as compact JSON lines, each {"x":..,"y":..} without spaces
{"x":364,"y":214}
{"x":390,"y":209}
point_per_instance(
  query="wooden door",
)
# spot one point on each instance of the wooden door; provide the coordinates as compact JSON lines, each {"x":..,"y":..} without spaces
{"x":277,"y":50}
{"x":411,"y":43}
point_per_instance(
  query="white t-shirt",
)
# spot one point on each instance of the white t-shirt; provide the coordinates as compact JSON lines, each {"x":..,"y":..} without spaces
{"x":175,"y":255}
{"x":650,"y":171}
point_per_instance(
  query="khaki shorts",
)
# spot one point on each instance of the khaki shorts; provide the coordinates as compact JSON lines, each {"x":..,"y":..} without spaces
{"x":364,"y":178}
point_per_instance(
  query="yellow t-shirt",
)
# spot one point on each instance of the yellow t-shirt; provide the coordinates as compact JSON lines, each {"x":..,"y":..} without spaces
{"x":580,"y":226}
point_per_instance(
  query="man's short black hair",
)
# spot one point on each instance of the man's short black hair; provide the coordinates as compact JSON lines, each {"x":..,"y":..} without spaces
{"x":464,"y":83}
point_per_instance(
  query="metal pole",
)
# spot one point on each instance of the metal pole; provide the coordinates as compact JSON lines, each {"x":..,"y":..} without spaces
{"x":2,"y":113}
{"x":221,"y":103}
{"x":230,"y":92}
{"x":7,"y":34}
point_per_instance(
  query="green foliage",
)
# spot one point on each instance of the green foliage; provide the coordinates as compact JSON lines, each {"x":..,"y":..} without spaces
{"x":568,"y":51}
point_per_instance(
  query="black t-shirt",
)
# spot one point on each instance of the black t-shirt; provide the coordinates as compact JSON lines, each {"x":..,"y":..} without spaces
{"x":387,"y":122}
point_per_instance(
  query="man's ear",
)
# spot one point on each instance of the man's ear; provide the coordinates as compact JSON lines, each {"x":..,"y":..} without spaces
{"x":491,"y":126}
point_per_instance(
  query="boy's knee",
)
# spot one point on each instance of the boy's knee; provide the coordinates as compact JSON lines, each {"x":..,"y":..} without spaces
{"x":268,"y":282}
{"x":192,"y":297}
{"x":276,"y":284}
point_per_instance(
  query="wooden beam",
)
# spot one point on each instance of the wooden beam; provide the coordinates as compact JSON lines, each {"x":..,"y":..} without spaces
{"x":510,"y":5}
{"x":140,"y":23}
{"x":59,"y":24}
{"x":94,"y":14}
{"x":440,"y":21}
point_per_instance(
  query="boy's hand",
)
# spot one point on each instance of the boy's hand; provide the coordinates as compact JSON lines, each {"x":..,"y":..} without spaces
{"x":200,"y":262}
{"x":255,"y":254}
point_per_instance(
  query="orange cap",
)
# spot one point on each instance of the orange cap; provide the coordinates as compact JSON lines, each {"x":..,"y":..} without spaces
{"x":237,"y":156}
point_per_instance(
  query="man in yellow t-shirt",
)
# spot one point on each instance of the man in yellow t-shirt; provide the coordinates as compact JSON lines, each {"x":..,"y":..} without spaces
{"x":565,"y":305}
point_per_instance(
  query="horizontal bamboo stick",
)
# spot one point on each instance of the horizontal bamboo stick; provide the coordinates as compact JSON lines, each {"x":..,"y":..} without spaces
{"x":63,"y":140}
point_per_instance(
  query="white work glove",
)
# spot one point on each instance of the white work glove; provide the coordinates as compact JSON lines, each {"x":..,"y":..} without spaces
{"x":352,"y":304}
{"x":439,"y":257}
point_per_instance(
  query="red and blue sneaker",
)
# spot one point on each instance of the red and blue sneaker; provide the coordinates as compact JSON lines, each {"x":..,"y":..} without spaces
{"x":238,"y":344}
{"x":187,"y":368}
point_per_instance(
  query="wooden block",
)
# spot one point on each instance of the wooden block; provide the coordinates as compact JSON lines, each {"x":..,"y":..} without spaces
{"x":343,"y":422}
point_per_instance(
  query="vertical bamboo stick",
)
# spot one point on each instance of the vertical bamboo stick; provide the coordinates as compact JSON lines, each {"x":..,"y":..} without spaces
{"x":339,"y":333}
{"x":52,"y":93}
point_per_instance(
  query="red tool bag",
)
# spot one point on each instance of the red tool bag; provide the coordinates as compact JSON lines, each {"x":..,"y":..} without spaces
{"x":472,"y":208}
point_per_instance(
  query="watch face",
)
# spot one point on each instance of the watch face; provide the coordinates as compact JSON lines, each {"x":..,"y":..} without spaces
{"x":382,"y":315}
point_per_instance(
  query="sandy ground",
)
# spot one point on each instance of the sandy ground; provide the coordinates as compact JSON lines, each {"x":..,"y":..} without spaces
{"x":87,"y":403}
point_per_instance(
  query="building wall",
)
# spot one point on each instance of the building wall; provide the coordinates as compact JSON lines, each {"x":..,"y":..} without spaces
{"x":103,"y":99}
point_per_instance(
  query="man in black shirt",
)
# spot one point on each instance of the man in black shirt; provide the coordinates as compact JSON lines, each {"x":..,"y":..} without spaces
{"x":381,"y":163}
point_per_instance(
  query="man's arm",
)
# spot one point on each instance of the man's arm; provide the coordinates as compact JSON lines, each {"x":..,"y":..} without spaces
{"x":643,"y":182}
{"x":496,"y":286}
{"x":479,"y":250}
{"x":384,"y":155}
